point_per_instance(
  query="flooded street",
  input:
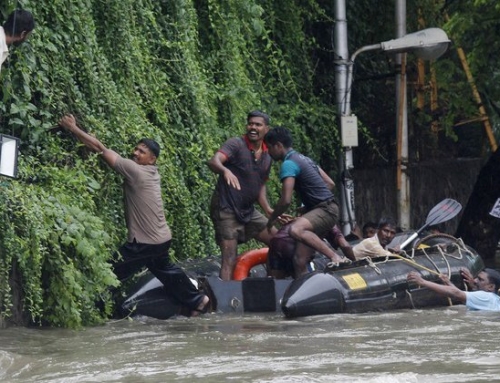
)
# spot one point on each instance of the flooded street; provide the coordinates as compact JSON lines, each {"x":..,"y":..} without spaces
{"x":447,"y":344}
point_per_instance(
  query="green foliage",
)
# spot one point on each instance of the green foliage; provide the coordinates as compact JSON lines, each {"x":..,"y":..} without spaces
{"x":184,"y":73}
{"x":62,"y":253}
{"x":475,"y":26}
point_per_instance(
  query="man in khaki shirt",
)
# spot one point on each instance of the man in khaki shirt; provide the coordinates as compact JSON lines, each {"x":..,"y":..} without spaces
{"x":149,"y":236}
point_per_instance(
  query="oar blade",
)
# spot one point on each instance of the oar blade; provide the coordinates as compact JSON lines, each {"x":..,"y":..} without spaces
{"x":443,"y":211}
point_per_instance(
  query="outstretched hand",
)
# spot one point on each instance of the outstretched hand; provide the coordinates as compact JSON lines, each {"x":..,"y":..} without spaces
{"x":67,"y":122}
{"x":284,"y":219}
{"x":415,"y":277}
{"x":468,"y":278}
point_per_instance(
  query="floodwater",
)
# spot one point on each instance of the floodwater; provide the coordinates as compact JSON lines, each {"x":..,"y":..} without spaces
{"x":447,"y":344}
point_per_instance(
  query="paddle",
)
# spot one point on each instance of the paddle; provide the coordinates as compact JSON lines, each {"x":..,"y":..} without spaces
{"x":442,"y":212}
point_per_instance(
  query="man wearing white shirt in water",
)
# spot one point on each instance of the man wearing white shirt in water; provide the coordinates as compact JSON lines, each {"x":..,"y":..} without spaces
{"x":484,"y":294}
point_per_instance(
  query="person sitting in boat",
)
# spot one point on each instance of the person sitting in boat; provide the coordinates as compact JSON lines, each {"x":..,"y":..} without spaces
{"x":282,"y":248}
{"x":484,"y":289}
{"x":376,"y":246}
{"x":369,"y":229}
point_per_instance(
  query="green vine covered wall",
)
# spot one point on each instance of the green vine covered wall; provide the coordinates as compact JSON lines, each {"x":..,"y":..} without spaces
{"x":183,"y":72}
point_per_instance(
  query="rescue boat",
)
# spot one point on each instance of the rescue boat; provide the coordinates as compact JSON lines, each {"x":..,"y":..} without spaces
{"x":380,"y":283}
{"x":365,"y":285}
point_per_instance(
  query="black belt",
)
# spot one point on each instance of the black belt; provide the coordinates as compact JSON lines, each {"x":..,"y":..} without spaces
{"x":330,"y":200}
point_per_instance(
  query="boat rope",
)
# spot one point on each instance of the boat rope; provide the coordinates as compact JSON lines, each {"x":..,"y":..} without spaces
{"x":412,"y":253}
{"x":458,"y":245}
{"x":450,"y":303}
{"x":458,"y":248}
{"x":434,"y":263}
{"x":464,"y":247}
{"x":444,"y":250}
{"x":412,"y":262}
{"x":372,"y":265}
{"x":411,"y":299}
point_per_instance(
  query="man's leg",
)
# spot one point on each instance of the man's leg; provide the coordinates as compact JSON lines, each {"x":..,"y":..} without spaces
{"x":229,"y":249}
{"x":227,"y":231}
{"x":177,"y":284}
{"x":266,"y":236}
{"x":301,"y":258}
{"x":256,"y":229}
{"x":156,"y":259}
{"x":302,"y":231}
{"x":125,"y":263}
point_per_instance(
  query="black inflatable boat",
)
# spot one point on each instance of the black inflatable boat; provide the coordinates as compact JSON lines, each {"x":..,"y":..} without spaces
{"x":366,"y":285}
{"x":380,"y":284}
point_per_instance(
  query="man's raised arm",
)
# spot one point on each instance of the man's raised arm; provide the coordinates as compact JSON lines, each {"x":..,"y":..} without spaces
{"x":68,"y":122}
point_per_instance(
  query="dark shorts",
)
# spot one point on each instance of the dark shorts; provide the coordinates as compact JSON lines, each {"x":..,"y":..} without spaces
{"x":323,"y":217}
{"x":227,"y":227}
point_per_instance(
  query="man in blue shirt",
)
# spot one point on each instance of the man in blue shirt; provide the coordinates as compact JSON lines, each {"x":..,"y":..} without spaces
{"x":313,"y":187}
{"x":484,"y":288}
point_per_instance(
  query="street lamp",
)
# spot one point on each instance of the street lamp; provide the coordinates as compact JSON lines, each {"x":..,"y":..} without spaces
{"x":427,"y":44}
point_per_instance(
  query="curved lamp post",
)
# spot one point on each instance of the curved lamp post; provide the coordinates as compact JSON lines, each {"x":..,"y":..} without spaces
{"x":427,"y":44}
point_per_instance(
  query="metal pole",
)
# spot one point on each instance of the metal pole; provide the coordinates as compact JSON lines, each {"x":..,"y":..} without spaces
{"x":347,"y":219}
{"x":403,"y":180}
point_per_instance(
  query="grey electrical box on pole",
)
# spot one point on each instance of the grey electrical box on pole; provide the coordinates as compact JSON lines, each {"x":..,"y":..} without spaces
{"x":349,"y":130}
